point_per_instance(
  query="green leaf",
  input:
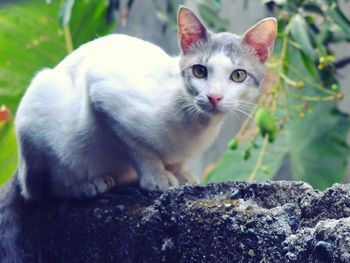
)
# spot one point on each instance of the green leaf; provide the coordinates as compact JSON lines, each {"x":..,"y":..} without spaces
{"x":314,"y":145}
{"x":8,"y":152}
{"x":232,"y":166}
{"x":89,"y":21}
{"x":216,"y":4}
{"x":31,"y":38}
{"x":298,"y":30}
{"x":318,"y":150}
{"x":339,"y":18}
{"x":211,"y":18}
{"x":317,"y":143}
{"x":66,"y":12}
{"x":313,"y":8}
{"x":310,"y":66}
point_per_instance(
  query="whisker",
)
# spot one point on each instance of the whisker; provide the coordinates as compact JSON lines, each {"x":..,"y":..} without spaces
{"x":247,"y":105}
{"x":252,"y":105}
{"x":236,"y":116}
{"x":248,"y":108}
{"x":190,"y":110}
{"x":244,"y":106}
{"x":245,"y":101}
{"x":242,"y":117}
{"x":243,"y":112}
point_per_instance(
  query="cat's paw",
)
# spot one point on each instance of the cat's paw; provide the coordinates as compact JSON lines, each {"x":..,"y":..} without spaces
{"x":187,"y":177}
{"x":158,"y":181}
{"x":98,"y":185}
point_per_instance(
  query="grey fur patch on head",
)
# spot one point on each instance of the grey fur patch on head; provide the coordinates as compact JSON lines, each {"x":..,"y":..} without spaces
{"x":231,"y":45}
{"x":210,"y":53}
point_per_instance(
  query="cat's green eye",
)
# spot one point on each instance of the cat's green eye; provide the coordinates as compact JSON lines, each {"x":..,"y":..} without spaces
{"x":199,"y":71}
{"x":238,"y":75}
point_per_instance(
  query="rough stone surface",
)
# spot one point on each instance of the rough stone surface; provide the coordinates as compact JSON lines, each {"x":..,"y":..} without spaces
{"x":230,"y":222}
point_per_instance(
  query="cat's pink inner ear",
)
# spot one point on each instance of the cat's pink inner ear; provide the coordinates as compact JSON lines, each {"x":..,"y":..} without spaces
{"x":190,"y":29}
{"x":261,"y":38}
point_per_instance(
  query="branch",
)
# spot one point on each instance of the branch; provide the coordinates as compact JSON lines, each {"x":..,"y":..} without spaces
{"x":341,"y":63}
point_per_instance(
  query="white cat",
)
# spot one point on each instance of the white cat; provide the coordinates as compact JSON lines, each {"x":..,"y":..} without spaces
{"x":118,"y":107}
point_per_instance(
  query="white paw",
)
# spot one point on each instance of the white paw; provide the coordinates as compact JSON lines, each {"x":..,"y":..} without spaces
{"x":98,"y":185}
{"x":158,"y":181}
{"x":103,"y":183}
{"x":186,"y":177}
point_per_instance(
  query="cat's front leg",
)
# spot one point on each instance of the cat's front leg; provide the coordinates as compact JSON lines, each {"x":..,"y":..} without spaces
{"x":183,"y":174}
{"x":187,"y":177}
{"x":153,"y":175}
{"x":97,"y":185}
{"x":116,"y":107}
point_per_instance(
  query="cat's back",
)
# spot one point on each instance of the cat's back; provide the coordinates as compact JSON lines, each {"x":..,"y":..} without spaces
{"x":127,"y":61}
{"x":116,"y":49}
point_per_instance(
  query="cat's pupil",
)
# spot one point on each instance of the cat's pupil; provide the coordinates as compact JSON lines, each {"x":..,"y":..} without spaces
{"x":238,"y":75}
{"x":199,"y":71}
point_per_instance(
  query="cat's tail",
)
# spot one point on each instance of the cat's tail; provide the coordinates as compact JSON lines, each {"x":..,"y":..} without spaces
{"x":11,"y":207}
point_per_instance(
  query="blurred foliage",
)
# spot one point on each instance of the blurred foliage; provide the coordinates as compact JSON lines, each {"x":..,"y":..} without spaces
{"x":302,"y":98}
{"x":208,"y":10}
{"x":301,"y":127}
{"x":36,"y":34}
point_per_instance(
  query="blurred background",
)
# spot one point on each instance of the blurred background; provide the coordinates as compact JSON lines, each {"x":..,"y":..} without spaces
{"x":306,"y":93}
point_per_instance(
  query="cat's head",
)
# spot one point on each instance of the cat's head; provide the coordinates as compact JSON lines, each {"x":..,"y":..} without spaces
{"x":223,"y":72}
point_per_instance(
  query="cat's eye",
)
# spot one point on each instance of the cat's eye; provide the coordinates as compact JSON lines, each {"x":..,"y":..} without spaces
{"x":238,"y":75}
{"x":199,"y":71}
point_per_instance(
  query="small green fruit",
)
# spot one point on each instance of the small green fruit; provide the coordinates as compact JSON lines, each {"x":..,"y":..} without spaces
{"x":272,"y":136}
{"x":300,"y":84}
{"x":330,"y":59}
{"x":335,"y":87}
{"x":233,"y":144}
{"x":265,"y":169}
{"x":246,"y":154}
{"x":265,"y":122}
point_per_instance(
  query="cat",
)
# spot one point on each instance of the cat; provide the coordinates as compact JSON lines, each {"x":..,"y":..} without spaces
{"x":119,"y":108}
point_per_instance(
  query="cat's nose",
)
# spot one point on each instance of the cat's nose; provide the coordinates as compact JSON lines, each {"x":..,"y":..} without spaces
{"x":214,"y":100}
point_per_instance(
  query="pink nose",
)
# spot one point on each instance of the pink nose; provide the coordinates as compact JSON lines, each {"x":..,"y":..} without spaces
{"x":214,"y":100}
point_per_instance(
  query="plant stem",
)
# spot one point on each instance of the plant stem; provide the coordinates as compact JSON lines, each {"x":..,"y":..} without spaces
{"x":312,"y":98}
{"x":305,"y":80}
{"x":285,"y":44}
{"x":342,"y":62}
{"x":279,"y":85}
{"x":260,"y":159}
{"x":288,"y":80}
{"x":245,"y":123}
{"x":273,"y":106}
{"x":68,"y":39}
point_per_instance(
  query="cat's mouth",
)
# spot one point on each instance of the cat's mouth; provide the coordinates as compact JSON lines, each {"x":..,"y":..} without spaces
{"x":208,"y":107}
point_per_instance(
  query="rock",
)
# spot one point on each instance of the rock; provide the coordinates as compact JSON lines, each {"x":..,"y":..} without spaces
{"x":228,"y":222}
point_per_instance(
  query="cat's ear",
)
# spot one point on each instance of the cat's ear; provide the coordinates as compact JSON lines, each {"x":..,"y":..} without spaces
{"x":261,"y":38}
{"x":190,"y":29}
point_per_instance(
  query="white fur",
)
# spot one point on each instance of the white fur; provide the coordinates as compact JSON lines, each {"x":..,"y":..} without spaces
{"x":118,"y":107}
{"x":136,"y":82}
